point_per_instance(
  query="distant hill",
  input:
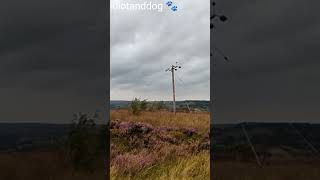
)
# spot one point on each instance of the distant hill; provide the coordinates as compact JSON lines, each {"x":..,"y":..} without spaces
{"x":119,"y":104}
{"x":27,"y":136}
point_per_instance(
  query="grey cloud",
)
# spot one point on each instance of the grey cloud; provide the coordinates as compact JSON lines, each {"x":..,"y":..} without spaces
{"x":273,"y":45}
{"x":53,"y":61}
{"x":144,"y":44}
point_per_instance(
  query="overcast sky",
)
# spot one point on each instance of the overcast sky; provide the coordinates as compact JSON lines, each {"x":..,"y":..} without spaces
{"x":52,"y":58}
{"x":275,"y":73}
{"x":145,"y":43}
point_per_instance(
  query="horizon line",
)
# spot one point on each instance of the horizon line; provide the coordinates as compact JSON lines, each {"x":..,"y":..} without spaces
{"x":164,"y":100}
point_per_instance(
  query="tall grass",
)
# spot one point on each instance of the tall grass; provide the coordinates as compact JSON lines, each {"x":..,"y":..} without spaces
{"x":193,"y":167}
{"x":44,"y":165}
{"x":250,"y":171}
{"x":159,"y":145}
{"x":198,"y":120}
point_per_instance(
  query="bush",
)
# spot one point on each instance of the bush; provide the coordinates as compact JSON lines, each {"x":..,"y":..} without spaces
{"x":137,"y":106}
{"x":83,"y":143}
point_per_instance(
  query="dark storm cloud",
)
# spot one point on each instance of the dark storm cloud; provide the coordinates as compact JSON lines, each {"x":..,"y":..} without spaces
{"x":52,"y":59}
{"x":275,"y":70}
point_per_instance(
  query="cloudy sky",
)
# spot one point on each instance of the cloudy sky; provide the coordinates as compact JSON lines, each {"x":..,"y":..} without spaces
{"x":145,"y":43}
{"x":275,"y":73}
{"x":53,"y":58}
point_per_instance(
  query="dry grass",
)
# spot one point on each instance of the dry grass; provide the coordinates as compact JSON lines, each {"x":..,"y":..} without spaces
{"x":42,"y":165}
{"x":198,"y":120}
{"x":173,"y":147}
{"x":250,"y":171}
{"x":193,"y":167}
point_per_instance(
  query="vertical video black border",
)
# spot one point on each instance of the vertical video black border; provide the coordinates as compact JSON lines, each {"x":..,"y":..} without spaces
{"x":212,"y":102}
{"x":106,"y":160}
{"x":211,"y":110}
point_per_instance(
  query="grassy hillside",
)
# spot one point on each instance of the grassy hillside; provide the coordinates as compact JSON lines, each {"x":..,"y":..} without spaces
{"x":160,"y":145}
{"x":193,"y":167}
{"x":292,"y":170}
{"x":197,"y":120}
{"x":44,"y":165}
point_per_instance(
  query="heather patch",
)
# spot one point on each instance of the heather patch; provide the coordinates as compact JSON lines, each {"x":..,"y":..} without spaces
{"x":136,"y":146}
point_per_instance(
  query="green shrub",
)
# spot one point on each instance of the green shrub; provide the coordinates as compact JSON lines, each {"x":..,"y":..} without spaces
{"x":137,"y":106}
{"x":83,"y":144}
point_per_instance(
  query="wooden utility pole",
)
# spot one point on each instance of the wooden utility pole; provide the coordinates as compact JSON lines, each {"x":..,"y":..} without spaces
{"x":172,"y":69}
{"x":173,"y":91}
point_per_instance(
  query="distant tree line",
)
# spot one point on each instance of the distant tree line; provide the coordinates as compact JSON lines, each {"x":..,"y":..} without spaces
{"x":136,"y":106}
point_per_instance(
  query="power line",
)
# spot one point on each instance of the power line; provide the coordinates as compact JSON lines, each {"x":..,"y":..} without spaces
{"x":250,"y":143}
{"x":184,"y":86}
{"x":222,"y":54}
{"x":314,"y":150}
